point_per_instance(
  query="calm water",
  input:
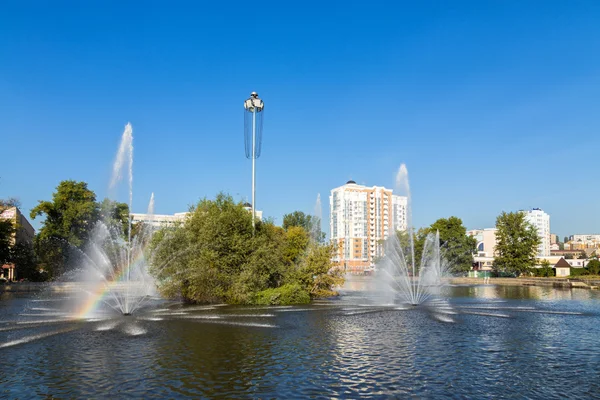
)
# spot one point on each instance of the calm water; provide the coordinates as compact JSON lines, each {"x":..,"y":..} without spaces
{"x":505,"y":342}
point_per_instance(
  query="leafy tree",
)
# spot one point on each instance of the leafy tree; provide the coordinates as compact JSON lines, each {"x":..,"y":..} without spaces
{"x":6,"y":234}
{"x":418,"y":241}
{"x":517,"y":243}
{"x":116,"y":214}
{"x":215,"y":257}
{"x":457,"y":246}
{"x":70,"y":218}
{"x":593,"y":267}
{"x":566,"y":239}
{"x":582,"y":255}
{"x":298,"y":218}
{"x":316,"y":274}
{"x":545,"y":270}
{"x":10,"y":202}
{"x":569,"y":256}
{"x":296,"y":243}
{"x":23,"y":257}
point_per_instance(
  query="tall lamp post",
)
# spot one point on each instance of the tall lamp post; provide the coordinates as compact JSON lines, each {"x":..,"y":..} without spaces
{"x":253,"y":126}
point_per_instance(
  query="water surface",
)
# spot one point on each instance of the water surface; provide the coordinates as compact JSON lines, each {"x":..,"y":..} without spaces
{"x":505,"y":342}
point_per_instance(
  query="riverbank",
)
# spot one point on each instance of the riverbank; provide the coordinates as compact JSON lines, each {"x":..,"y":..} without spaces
{"x":531,"y":281}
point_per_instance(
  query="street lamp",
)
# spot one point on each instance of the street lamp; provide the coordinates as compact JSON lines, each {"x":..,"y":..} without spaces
{"x":253,"y":124}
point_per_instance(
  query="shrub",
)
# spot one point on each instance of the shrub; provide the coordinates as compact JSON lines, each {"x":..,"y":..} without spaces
{"x":282,"y":296}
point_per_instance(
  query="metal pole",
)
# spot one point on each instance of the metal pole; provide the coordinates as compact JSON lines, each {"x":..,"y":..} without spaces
{"x":253,"y":169}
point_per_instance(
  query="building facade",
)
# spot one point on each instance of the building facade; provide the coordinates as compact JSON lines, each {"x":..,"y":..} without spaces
{"x":483,"y":259}
{"x":585,"y":241}
{"x":159,"y":220}
{"x":541,"y":220}
{"x":23,"y":234}
{"x":360,"y":219}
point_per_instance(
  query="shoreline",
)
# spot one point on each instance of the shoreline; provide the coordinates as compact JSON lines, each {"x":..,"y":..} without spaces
{"x":565,"y":283}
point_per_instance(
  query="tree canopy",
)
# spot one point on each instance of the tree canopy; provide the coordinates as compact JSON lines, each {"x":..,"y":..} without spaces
{"x":516,"y":243}
{"x":215,"y":257}
{"x":456,"y":247}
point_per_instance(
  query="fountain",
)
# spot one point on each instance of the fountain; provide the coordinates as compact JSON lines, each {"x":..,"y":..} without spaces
{"x":315,"y":228}
{"x":415,"y":280}
{"x":110,"y":274}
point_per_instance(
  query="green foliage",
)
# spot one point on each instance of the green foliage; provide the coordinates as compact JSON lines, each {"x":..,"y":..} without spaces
{"x":295,"y":245}
{"x":6,"y":233}
{"x":215,"y":257}
{"x":70,"y":218}
{"x":23,"y":257}
{"x":114,"y":213}
{"x":297,"y":218}
{"x":284,"y":295}
{"x":517,"y":242}
{"x":579,"y":272}
{"x":569,"y":256}
{"x":457,"y":246}
{"x":545,"y":270}
{"x":10,"y":202}
{"x":593,"y":267}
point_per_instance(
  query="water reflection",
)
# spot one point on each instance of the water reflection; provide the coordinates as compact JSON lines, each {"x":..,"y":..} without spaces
{"x":346,"y":347}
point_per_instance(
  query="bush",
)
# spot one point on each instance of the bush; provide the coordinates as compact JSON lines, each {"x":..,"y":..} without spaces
{"x":579,"y":272}
{"x":282,"y":296}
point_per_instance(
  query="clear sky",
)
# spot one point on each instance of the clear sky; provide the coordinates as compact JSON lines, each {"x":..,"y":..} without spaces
{"x":493,"y":105}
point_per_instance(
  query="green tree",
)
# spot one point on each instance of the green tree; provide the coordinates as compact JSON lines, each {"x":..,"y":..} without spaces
{"x":214,"y":256}
{"x":295,"y":244}
{"x":23,"y":257}
{"x":298,"y":218}
{"x":6,"y":234}
{"x":10,"y":202}
{"x":115,"y":214}
{"x":593,"y":267}
{"x":545,"y":270}
{"x":457,"y":246}
{"x":516,"y":243}
{"x":69,"y":219}
{"x":566,"y":239}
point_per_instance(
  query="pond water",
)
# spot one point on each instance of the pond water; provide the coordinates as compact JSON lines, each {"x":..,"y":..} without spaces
{"x":504,"y":342}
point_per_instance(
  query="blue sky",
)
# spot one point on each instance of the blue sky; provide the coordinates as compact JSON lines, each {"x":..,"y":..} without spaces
{"x":493,"y":105}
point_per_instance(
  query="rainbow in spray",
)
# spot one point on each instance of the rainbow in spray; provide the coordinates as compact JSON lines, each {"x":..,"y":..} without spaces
{"x":118,"y":293}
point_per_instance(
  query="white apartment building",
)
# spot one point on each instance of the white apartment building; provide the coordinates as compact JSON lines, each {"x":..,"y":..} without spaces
{"x":159,"y":220}
{"x":538,"y":218}
{"x":360,"y":219}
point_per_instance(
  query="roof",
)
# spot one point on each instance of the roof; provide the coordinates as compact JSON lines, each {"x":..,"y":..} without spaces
{"x":350,"y":181}
{"x":562,"y":263}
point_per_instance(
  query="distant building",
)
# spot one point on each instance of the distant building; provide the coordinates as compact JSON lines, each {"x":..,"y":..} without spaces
{"x":486,"y":247}
{"x":159,"y":220}
{"x":259,"y":213}
{"x":554,"y":238}
{"x":562,"y":268}
{"x":583,"y":241}
{"x":361,"y":218}
{"x":541,"y":221}
{"x":23,"y":234}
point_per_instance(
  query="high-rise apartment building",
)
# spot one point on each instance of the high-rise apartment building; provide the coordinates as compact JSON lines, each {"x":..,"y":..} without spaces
{"x":360,"y":219}
{"x":541,"y":221}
